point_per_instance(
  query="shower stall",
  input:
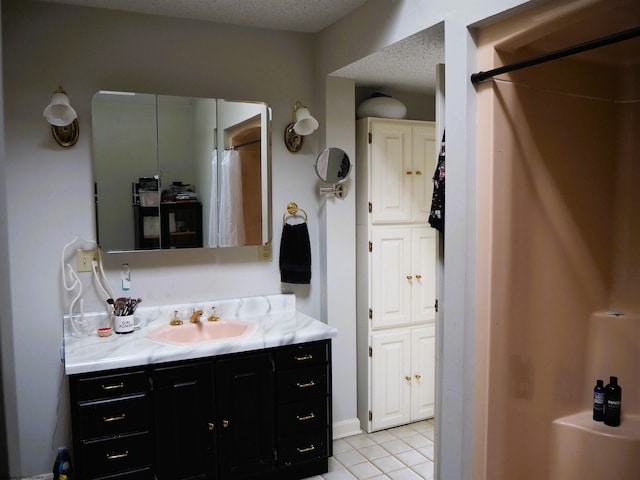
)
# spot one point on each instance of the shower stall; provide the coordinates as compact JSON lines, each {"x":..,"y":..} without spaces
{"x":558,"y":234}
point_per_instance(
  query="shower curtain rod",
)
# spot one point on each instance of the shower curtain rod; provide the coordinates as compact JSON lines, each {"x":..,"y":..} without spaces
{"x":250,"y":142}
{"x":564,"y":52}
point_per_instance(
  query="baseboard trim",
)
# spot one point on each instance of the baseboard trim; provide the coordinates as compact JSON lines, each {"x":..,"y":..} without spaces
{"x":346,"y":428}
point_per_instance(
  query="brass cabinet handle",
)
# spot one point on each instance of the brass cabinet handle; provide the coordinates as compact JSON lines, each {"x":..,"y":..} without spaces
{"x":419,"y":277}
{"x":225,"y":423}
{"x":418,"y":172}
{"x":409,"y":173}
{"x":311,"y":416}
{"x":409,"y":277}
{"x":408,"y":378}
{"x":211,"y":426}
{"x":306,"y":385}
{"x":114,"y":386}
{"x":310,"y":448}
{"x":113,"y":419}
{"x":117,"y":456}
{"x":418,"y":377}
{"x":304,"y":358}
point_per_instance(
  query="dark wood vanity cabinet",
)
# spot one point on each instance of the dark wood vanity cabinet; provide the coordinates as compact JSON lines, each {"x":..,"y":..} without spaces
{"x":112,"y":425}
{"x":255,"y":415}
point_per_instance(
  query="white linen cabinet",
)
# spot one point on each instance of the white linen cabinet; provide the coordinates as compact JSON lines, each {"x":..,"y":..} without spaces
{"x":396,"y":272}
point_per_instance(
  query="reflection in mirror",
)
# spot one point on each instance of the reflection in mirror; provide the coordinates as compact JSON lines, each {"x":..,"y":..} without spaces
{"x":180,"y":172}
{"x":333,"y":166}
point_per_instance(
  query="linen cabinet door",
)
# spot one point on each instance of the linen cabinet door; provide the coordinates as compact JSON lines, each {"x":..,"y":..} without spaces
{"x":391,"y":379}
{"x":391,"y":277}
{"x":391,"y":174}
{"x":423,"y":266}
{"x":423,"y":360}
{"x":245,"y":412}
{"x":183,"y":401}
{"x":423,"y":165}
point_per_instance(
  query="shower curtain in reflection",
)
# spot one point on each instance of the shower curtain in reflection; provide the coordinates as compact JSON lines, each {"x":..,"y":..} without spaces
{"x":212,"y":239}
{"x":230,"y":211}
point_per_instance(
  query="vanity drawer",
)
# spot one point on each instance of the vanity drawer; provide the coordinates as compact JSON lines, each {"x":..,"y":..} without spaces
{"x":303,"y":355}
{"x":303,"y":416}
{"x":107,"y":386}
{"x":302,"y":384}
{"x":102,"y":418}
{"x":302,"y":448}
{"x":119,"y":454}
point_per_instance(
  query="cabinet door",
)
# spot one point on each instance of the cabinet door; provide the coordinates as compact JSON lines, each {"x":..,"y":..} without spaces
{"x":390,"y":277}
{"x":391,"y":174}
{"x":423,"y":358}
{"x":423,"y":164}
{"x":423,"y":272}
{"x":390,"y":379}
{"x":245,"y":412}
{"x":183,"y":399}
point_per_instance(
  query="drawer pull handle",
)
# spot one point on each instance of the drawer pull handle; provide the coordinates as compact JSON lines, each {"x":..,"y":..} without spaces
{"x":225,"y":423}
{"x":306,"y":385}
{"x":304,"y":358}
{"x":113,"y":419}
{"x":112,"y":387}
{"x":311,"y":416}
{"x":117,"y":456}
{"x":310,"y":448}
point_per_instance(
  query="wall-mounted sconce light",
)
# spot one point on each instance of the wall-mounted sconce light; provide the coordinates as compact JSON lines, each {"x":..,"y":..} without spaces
{"x":303,"y":124}
{"x":63,"y":119}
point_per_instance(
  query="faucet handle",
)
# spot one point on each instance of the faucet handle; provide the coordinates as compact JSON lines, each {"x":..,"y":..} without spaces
{"x":212,"y":316}
{"x":176,"y":319}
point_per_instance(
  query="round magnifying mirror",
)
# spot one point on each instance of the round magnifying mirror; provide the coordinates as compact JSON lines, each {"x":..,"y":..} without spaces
{"x":333,"y":165}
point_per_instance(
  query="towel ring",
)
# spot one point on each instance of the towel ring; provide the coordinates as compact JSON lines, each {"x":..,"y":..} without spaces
{"x":292,"y":209}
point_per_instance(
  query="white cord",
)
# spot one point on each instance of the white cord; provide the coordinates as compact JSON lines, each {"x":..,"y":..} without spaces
{"x":101,"y":280}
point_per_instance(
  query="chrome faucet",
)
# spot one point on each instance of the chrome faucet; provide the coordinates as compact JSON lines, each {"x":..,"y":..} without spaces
{"x":195,"y":316}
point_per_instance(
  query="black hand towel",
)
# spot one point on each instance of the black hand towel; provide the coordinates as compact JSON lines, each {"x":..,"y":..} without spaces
{"x":295,"y":254}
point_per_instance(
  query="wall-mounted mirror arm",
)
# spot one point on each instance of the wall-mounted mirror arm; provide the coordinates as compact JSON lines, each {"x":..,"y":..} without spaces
{"x":338,"y":190}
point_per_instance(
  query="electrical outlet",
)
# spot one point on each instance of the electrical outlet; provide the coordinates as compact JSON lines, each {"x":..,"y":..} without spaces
{"x":265,"y":252}
{"x":84,"y":259}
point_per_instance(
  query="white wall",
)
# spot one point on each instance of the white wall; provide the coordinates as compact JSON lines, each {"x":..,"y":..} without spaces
{"x":49,"y":189}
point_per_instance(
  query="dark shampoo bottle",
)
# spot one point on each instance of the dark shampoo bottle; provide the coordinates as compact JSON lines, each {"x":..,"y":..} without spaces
{"x":613,"y":403}
{"x":598,"y":401}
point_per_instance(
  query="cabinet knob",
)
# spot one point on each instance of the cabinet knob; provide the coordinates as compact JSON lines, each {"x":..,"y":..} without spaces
{"x":419,"y":277}
{"x":225,"y":423}
{"x":418,"y":172}
{"x":408,"y":378}
{"x":211,"y":426}
{"x":418,"y":377}
{"x":409,"y":173}
{"x":409,"y":277}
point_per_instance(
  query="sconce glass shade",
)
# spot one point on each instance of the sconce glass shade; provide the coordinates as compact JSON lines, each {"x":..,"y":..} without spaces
{"x":59,"y":112}
{"x":305,"y":123}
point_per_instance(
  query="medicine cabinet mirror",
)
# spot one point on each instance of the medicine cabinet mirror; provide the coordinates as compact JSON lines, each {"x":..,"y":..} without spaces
{"x":180,"y":172}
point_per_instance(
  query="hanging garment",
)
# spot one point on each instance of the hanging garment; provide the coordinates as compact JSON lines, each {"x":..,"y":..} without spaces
{"x":231,"y":221}
{"x":436,"y":215}
{"x":295,"y":254}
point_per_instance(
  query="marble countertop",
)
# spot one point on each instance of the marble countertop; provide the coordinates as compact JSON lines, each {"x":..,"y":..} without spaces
{"x":278,"y":324}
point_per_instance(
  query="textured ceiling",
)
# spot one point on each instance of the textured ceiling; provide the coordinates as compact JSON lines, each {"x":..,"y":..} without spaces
{"x":295,"y":15}
{"x":407,"y":65}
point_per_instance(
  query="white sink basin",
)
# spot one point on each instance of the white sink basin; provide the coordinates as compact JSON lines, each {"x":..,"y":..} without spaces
{"x":203,"y":332}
